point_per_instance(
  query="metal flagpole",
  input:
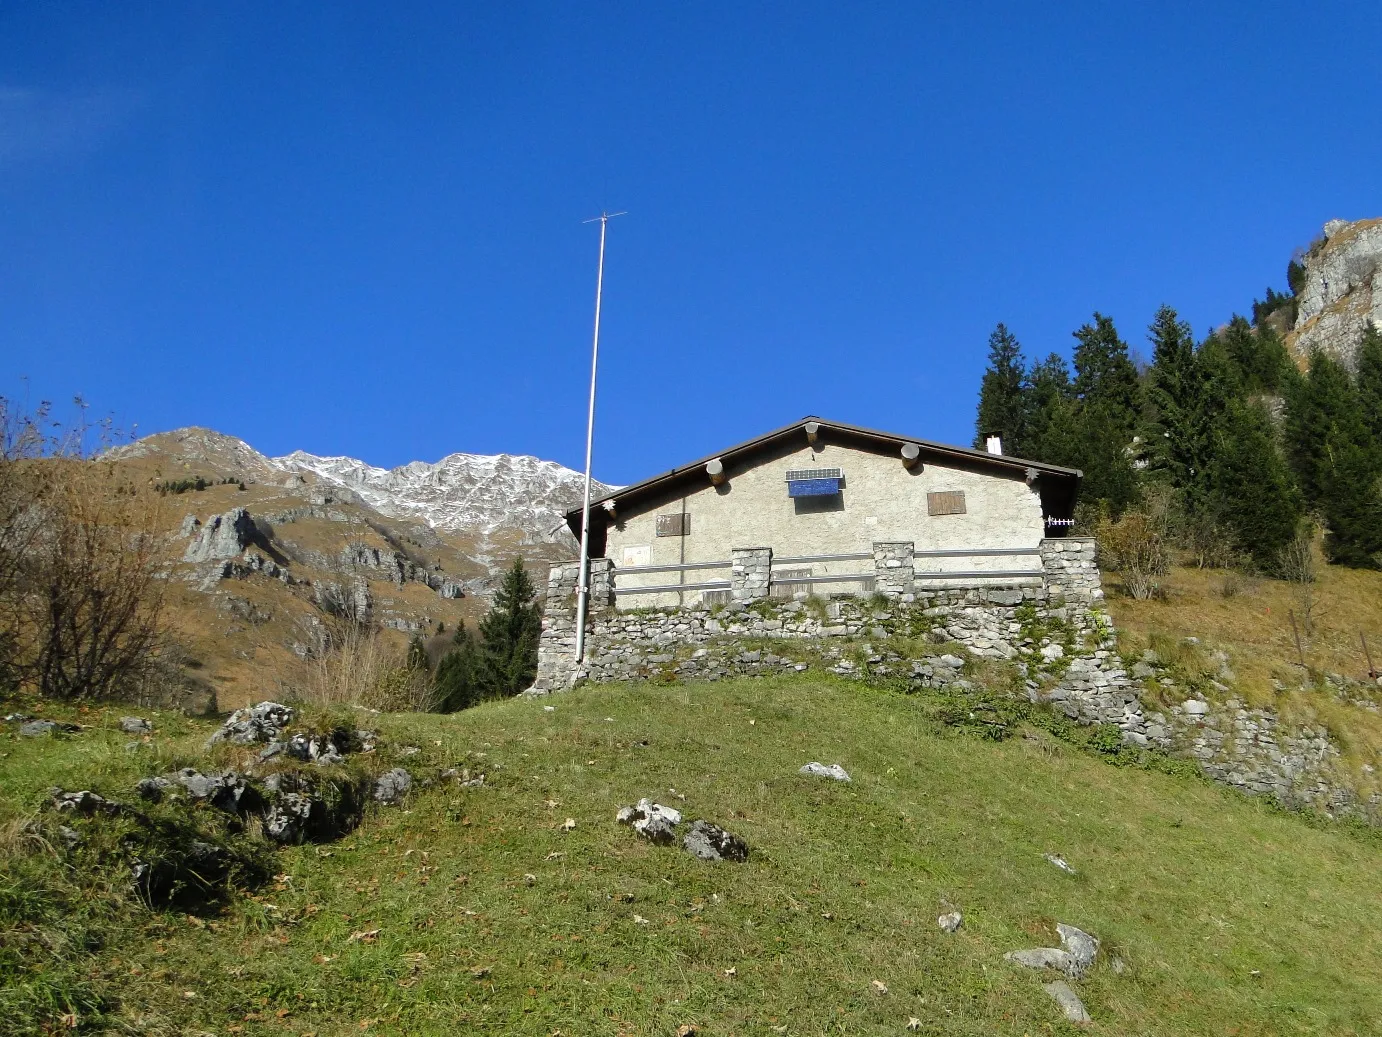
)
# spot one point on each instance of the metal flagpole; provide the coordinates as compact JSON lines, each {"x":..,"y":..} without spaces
{"x":583,"y":585}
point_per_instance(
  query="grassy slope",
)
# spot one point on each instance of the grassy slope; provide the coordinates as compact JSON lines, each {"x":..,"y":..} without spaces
{"x":1253,"y":627}
{"x":1197,"y":889}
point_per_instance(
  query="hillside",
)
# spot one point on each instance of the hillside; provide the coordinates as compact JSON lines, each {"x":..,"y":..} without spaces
{"x":476,"y":910}
{"x":422,"y":541}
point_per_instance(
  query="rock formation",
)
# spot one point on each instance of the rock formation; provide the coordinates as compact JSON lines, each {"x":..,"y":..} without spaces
{"x":1342,"y":291}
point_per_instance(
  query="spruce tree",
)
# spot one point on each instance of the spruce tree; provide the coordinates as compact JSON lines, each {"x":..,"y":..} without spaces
{"x":1047,"y":396}
{"x":1253,"y":493}
{"x":1000,"y":393}
{"x":1106,"y":375}
{"x":1321,"y":408}
{"x":1370,"y":383}
{"x":1352,"y":503}
{"x":1183,"y":402}
{"x":509,"y":636}
{"x":457,"y":679}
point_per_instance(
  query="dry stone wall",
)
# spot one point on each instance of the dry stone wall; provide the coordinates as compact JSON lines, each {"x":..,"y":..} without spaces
{"x":1056,"y":633}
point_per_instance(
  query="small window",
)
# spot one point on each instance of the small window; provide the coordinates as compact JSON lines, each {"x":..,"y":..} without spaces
{"x":678,"y":525}
{"x":946,"y":502}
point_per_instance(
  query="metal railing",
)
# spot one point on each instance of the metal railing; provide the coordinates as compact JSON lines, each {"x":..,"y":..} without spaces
{"x":864,"y":578}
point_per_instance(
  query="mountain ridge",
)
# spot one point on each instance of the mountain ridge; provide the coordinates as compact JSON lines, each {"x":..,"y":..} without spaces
{"x":480,"y":494}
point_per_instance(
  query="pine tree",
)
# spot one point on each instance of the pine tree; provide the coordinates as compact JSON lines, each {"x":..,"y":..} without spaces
{"x":1370,"y":383}
{"x":456,"y":680}
{"x":1106,"y":375}
{"x":509,"y":636}
{"x":417,"y":654}
{"x":1183,"y":402}
{"x":1000,"y":393}
{"x":1336,"y":460}
{"x":1253,"y":493}
{"x":1352,"y":503}
{"x":1321,"y":408}
{"x":1047,"y":395}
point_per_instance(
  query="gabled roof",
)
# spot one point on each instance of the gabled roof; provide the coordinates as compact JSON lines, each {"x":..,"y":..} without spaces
{"x":1058,"y":504}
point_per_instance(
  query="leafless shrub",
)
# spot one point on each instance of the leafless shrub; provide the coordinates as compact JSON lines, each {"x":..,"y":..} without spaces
{"x":1299,"y":565}
{"x":357,"y":666}
{"x":1135,"y":546}
{"x":81,"y":553}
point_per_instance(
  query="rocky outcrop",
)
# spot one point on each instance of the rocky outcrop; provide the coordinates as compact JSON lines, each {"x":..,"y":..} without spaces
{"x":222,"y":536}
{"x":1342,"y":292}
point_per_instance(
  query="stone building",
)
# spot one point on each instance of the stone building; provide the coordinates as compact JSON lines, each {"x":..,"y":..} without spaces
{"x":802,"y":508}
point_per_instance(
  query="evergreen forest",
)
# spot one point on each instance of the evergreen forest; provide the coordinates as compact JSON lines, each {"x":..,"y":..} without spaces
{"x":1224,"y":446}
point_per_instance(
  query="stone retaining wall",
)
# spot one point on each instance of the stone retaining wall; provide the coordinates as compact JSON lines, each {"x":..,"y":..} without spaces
{"x":1057,"y":633}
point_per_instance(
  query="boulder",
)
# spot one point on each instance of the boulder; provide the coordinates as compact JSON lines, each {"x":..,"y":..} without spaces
{"x":392,"y":786}
{"x":1069,"y":1002}
{"x":710,"y":842}
{"x":226,"y":791}
{"x":1040,"y":958}
{"x":83,"y":802}
{"x":651,"y":820}
{"x":834,"y":771}
{"x":152,"y":789}
{"x":1081,"y":947}
{"x":260,"y":723}
{"x":135,"y":725}
{"x":950,"y":922}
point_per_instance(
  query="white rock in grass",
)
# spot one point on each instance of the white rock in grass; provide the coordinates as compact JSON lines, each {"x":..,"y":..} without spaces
{"x":821,"y":770}
{"x":1060,"y":862}
{"x":1041,"y":958}
{"x":651,"y":820}
{"x":1079,"y":945}
{"x":1069,"y":1001}
{"x":950,"y":922}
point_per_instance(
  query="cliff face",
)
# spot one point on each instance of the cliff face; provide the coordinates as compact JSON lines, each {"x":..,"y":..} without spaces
{"x":1342,"y":292}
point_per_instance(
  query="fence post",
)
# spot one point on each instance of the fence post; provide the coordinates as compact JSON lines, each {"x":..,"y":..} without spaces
{"x":893,"y":572}
{"x":750,"y":573}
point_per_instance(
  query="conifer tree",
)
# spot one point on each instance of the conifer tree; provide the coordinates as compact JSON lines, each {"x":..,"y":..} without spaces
{"x":1337,"y":461}
{"x":1253,"y":493}
{"x":1106,"y":375}
{"x":1370,"y":383}
{"x":456,"y":680}
{"x":1047,"y":395}
{"x":509,"y":636}
{"x":1321,"y":408}
{"x":1001,"y":409}
{"x":1183,"y":401}
{"x":1352,"y":503}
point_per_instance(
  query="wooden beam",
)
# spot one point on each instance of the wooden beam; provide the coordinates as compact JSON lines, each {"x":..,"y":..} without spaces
{"x":716,"y":470}
{"x":609,"y":509}
{"x":813,"y":432}
{"x":911,"y":455}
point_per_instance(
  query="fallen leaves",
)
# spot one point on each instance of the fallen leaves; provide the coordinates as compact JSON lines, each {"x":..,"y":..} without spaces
{"x":568,"y":824}
{"x":879,"y":987}
{"x":363,"y":936}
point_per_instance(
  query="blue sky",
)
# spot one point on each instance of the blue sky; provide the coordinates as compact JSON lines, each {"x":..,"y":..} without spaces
{"x":357,"y":228}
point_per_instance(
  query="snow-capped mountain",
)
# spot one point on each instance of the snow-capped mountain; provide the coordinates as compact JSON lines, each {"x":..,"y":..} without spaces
{"x":461,"y":492}
{"x":515,"y":497}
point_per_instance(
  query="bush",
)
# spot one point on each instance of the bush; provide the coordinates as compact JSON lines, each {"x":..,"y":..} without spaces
{"x":1135,"y":546}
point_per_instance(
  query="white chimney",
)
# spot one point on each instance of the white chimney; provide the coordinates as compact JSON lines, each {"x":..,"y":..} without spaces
{"x":994,"y":445}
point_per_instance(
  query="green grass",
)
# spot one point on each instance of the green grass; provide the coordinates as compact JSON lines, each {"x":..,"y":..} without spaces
{"x":1231,"y":917}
